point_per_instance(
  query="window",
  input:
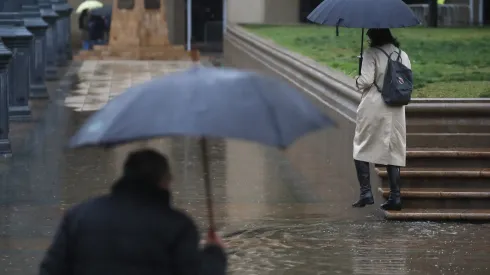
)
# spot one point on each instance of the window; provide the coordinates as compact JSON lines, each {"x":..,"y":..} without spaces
{"x":125,"y":4}
{"x":152,"y":4}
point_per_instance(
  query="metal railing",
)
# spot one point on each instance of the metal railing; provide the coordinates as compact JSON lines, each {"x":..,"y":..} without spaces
{"x":449,"y":15}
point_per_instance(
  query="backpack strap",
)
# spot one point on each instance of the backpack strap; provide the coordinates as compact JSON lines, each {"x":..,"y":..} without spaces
{"x":383,"y":51}
{"x":389,"y":55}
{"x":399,"y":58}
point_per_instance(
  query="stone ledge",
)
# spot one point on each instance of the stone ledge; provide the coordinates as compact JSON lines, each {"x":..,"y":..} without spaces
{"x":438,"y":172}
{"x":428,"y":193}
{"x":430,"y":215}
{"x":438,"y":153}
{"x":309,"y":77}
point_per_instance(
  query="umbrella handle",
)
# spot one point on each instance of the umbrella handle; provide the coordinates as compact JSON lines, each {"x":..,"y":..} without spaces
{"x":337,"y":26}
{"x":362,"y":50}
{"x":207,"y":184}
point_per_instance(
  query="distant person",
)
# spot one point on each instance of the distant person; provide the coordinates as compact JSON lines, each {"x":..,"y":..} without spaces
{"x":107,"y":21}
{"x":380,"y":136}
{"x":97,"y":30}
{"x":83,"y":21}
{"x":133,"y":231}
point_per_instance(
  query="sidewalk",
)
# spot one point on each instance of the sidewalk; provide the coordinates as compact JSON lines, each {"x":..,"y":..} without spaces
{"x":283,"y":213}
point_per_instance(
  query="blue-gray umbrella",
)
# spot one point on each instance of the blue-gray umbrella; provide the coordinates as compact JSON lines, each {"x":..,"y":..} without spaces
{"x":105,"y":11}
{"x":205,"y":102}
{"x":373,"y":14}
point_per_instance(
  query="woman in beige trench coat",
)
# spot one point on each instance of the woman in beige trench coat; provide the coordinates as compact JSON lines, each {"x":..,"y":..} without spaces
{"x":380,"y":136}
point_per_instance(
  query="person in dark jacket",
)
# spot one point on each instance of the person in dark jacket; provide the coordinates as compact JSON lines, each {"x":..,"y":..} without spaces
{"x":134,"y":230}
{"x":83,"y":20}
{"x":97,"y":30}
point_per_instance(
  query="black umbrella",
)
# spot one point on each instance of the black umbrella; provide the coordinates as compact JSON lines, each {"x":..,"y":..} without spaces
{"x":105,"y":11}
{"x":205,"y":102}
{"x":372,"y":14}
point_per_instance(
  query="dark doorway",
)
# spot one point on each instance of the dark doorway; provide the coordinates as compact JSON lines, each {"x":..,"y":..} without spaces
{"x":305,"y":7}
{"x":207,"y":25}
{"x":486,"y":12}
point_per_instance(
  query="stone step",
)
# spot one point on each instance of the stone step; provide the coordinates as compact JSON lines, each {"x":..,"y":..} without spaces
{"x":448,"y":158}
{"x":439,"y":177}
{"x":435,"y":125}
{"x":448,"y":140}
{"x":437,"y":193}
{"x":432,"y":198}
{"x":476,"y":215}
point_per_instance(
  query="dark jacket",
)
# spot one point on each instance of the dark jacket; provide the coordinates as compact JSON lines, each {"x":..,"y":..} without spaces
{"x":130,"y":232}
{"x":97,"y":28}
{"x":83,"y":25}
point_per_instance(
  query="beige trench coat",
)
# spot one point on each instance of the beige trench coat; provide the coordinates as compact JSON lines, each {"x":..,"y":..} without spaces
{"x":380,"y":136}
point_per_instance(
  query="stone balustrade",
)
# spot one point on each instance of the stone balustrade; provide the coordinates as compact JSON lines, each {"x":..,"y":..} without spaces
{"x":35,"y":43}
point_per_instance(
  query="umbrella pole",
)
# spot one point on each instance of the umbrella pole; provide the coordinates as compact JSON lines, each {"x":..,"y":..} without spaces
{"x":207,"y":184}
{"x":362,"y":50}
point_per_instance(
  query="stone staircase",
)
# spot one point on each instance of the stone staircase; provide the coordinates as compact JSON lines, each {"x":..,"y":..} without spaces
{"x":447,"y":176}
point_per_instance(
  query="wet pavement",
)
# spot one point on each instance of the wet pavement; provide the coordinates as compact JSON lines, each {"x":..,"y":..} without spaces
{"x":281,"y":213}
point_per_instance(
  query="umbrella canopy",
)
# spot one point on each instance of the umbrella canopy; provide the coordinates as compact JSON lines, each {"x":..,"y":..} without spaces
{"x":205,"y":102}
{"x":364,"y":14}
{"x":105,"y":11}
{"x":89,"y":5}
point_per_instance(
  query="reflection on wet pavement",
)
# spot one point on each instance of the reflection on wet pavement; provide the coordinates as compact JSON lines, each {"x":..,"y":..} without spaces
{"x":99,"y":81}
{"x":281,"y":213}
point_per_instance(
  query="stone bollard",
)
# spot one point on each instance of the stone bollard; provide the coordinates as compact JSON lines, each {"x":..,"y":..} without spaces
{"x":5,"y":56}
{"x":18,"y":39}
{"x":48,"y":14}
{"x":37,"y":26}
{"x":64,"y":10}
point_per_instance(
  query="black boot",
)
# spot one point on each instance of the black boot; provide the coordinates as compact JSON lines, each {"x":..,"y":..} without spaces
{"x":394,"y":202}
{"x":366,"y":197}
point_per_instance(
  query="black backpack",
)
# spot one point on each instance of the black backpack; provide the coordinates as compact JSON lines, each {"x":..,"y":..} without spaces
{"x":397,"y":85}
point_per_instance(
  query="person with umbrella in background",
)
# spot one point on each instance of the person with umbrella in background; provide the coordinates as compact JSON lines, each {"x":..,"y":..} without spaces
{"x":83,"y":20}
{"x":134,"y":230}
{"x":380,"y":135}
{"x":97,"y":30}
{"x":105,"y":13}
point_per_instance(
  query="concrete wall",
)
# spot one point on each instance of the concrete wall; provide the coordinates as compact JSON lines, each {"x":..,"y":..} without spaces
{"x":281,"y":11}
{"x":263,"y":11}
{"x":250,"y":11}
